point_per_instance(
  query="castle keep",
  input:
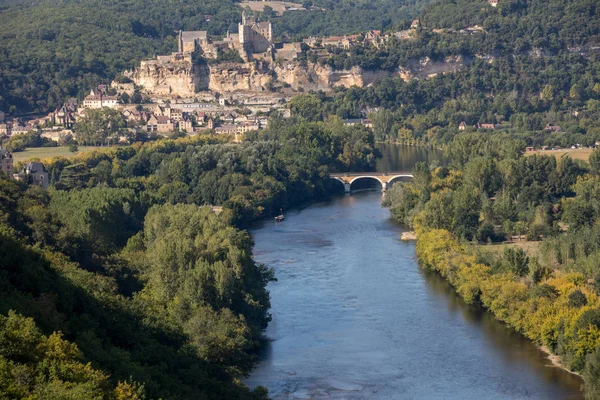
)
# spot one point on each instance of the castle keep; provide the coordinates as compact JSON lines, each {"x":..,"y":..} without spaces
{"x":254,"y":37}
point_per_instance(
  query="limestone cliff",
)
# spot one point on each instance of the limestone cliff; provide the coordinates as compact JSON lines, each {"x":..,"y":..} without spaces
{"x":427,"y":68}
{"x":316,"y":76}
{"x":170,"y":78}
{"x":185,"y":79}
{"x":232,"y":77}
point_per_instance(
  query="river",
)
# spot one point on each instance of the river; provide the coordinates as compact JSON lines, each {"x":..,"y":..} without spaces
{"x":354,"y":317}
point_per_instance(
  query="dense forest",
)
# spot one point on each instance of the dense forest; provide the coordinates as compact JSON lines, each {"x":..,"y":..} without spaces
{"x":343,"y":17}
{"x":52,"y":50}
{"x":493,"y":193}
{"x":534,"y":63}
{"x":121,"y":281}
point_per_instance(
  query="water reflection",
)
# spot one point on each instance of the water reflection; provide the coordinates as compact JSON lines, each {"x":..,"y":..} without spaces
{"x":354,"y":317}
{"x":403,"y":158}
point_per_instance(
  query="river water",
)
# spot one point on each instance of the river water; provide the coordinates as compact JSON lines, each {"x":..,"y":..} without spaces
{"x":354,"y":317}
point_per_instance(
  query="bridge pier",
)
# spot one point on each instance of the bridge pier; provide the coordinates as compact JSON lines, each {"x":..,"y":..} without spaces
{"x":347,"y":187}
{"x":384,"y":186}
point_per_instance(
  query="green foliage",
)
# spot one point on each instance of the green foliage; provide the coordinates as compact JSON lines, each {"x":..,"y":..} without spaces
{"x":98,"y":125}
{"x":516,"y":261}
{"x":308,"y":107}
{"x":33,"y":365}
{"x":104,"y":217}
{"x":591,"y":376}
{"x":232,"y":56}
{"x":30,"y":139}
{"x":595,"y":162}
{"x":153,"y":291}
{"x":546,"y":291}
{"x":577,"y":299}
{"x":466,"y":204}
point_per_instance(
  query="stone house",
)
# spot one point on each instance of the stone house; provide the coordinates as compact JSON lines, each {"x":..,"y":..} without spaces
{"x":462,"y":126}
{"x":65,"y":115}
{"x":34,"y":173}
{"x":99,"y":100}
{"x":20,"y":129}
{"x":152,"y":124}
{"x":227,"y":129}
{"x":552,"y":128}
{"x":190,"y":41}
{"x":186,"y":125}
{"x":164,"y":124}
{"x":5,"y":129}
{"x":6,"y":163}
{"x":373,"y":38}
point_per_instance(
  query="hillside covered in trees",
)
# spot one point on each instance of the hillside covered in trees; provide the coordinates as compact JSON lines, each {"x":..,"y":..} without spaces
{"x":51,"y":50}
{"x":122,"y":282}
{"x":533,"y":63}
{"x":493,"y":193}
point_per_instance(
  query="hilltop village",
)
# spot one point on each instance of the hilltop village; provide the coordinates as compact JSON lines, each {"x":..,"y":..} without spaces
{"x":226,"y":85}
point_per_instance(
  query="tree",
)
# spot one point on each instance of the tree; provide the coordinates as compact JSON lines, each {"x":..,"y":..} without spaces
{"x":307,"y":106}
{"x":437,"y":213}
{"x":73,"y":148}
{"x":383,"y":122}
{"x":591,"y":375}
{"x":516,"y":261}
{"x":548,"y":93}
{"x":577,"y":299}
{"x":98,"y":125}
{"x":594,"y":161}
{"x":466,"y":204}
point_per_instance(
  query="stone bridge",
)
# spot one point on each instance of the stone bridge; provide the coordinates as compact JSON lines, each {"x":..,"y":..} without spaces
{"x":385,"y":178}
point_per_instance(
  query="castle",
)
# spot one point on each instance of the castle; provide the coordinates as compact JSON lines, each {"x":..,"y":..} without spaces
{"x":254,"y":38}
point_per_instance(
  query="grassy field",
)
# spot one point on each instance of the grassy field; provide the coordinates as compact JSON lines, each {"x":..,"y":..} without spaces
{"x":278,"y":6}
{"x":576,"y":154}
{"x":531,"y":248}
{"x":50,"y":152}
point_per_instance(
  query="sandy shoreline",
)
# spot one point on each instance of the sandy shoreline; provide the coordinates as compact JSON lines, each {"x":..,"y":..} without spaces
{"x":556,"y":361}
{"x":408,"y":236}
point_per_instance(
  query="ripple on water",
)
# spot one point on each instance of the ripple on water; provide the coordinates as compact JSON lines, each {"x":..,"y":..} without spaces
{"x":355,"y":318}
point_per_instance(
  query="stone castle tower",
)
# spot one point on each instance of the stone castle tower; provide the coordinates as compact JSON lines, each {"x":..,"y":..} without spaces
{"x":255,"y":36}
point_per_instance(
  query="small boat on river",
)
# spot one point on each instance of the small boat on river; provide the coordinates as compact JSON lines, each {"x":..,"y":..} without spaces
{"x":280,"y":217}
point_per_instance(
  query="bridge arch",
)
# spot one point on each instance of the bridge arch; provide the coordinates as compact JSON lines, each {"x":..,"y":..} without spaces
{"x":336,"y":185}
{"x":399,"y":178}
{"x":369,"y":177}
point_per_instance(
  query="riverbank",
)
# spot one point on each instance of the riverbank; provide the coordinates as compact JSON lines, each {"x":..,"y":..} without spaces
{"x":354,"y":317}
{"x":556,"y":360}
{"x":523,"y":306}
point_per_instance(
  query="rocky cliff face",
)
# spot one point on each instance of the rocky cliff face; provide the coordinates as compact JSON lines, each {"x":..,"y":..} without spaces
{"x":185,"y":79}
{"x":179,"y":78}
{"x":231,"y":77}
{"x":427,"y":68}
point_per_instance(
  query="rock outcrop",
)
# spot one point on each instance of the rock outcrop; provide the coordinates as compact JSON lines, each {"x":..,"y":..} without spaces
{"x":232,"y":77}
{"x":182,"y":78}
